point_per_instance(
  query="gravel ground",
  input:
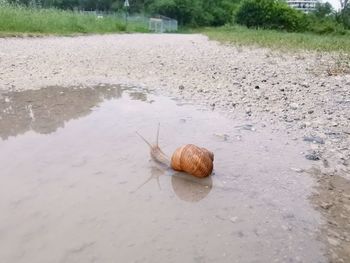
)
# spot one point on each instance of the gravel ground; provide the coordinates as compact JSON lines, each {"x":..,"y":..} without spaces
{"x":302,"y":93}
{"x":294,"y":89}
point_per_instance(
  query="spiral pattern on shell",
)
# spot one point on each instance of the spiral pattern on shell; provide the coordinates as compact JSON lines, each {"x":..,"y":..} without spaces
{"x":193,"y":160}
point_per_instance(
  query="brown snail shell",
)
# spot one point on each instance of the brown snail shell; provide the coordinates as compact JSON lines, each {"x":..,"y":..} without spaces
{"x":189,"y":158}
{"x":193,"y":160}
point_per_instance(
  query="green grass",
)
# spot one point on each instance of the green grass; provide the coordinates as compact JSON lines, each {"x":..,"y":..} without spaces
{"x":18,"y":20}
{"x":279,"y":40}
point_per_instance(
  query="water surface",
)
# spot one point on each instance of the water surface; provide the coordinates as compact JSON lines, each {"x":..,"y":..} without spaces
{"x":78,"y":185}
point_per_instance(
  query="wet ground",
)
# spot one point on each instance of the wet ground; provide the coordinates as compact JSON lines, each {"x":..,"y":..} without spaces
{"x":78,"y":185}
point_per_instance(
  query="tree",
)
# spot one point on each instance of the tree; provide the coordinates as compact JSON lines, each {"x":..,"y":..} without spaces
{"x":65,"y":4}
{"x":343,"y":4}
{"x":196,"y":12}
{"x":185,"y":11}
{"x":323,"y":10}
{"x":344,"y":15}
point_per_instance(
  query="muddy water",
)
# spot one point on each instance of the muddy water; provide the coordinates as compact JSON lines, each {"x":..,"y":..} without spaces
{"x":77,"y":184}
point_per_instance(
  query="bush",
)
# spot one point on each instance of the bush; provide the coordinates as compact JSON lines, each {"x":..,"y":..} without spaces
{"x":270,"y":14}
{"x":326,"y":25}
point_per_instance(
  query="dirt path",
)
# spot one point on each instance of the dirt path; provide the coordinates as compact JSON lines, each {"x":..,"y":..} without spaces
{"x":299,"y":92}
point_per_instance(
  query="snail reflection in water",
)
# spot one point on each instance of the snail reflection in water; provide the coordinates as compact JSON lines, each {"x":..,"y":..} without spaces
{"x":189,"y":188}
{"x":189,"y":158}
{"x":186,"y":187}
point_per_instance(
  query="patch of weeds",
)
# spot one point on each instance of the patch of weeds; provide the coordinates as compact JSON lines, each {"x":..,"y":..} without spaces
{"x":341,"y":66}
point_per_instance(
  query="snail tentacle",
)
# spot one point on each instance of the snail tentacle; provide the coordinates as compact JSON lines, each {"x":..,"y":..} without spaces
{"x":156,"y":153}
{"x":143,"y":138}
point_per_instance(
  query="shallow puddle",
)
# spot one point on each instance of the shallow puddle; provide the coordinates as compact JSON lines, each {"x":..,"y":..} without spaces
{"x":77,"y":183}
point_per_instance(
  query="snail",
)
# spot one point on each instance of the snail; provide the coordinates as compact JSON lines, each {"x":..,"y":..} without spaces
{"x":194,"y":160}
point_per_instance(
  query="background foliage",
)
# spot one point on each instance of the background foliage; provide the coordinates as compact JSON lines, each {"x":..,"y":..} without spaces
{"x":265,"y":14}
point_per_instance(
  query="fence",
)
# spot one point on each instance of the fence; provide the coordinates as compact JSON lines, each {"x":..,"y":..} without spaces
{"x":161,"y":24}
{"x":134,"y":18}
{"x":158,"y":24}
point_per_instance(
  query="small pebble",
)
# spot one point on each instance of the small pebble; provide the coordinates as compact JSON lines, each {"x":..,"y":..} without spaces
{"x":233,"y":219}
{"x":312,"y":157}
{"x":294,"y":106}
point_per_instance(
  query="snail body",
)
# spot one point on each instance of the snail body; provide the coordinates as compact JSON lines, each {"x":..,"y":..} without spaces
{"x":189,"y":158}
